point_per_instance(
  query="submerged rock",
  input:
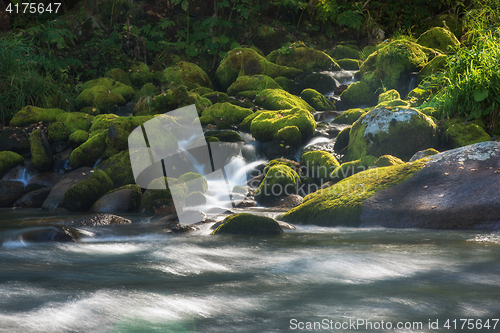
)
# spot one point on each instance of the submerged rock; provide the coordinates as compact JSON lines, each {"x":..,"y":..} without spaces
{"x":50,"y":234}
{"x":33,"y":199}
{"x":96,"y":220}
{"x":248,"y":224}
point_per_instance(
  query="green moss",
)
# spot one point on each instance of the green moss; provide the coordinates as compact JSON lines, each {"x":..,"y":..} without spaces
{"x":439,"y":38}
{"x":349,"y":116}
{"x":89,"y":152}
{"x":101,"y":98}
{"x":388,"y":96}
{"x":349,"y":64}
{"x":417,"y":97}
{"x":190,"y":74}
{"x":119,"y":75}
{"x":102,"y":121}
{"x":40,"y":152}
{"x":195,"y":198}
{"x":280,"y":181}
{"x":387,"y":160}
{"x":345,"y":52}
{"x":82,"y":195}
{"x":195,"y":182}
{"x":316,"y":100}
{"x":140,"y":74}
{"x":127,"y":92}
{"x":450,"y":21}
{"x":206,"y":120}
{"x":247,"y":224}
{"x":255,"y":83}
{"x":320,"y":165}
{"x":156,"y":201}
{"x":350,"y":168}
{"x":368,"y":50}
{"x":9,"y":160}
{"x":57,"y":131}
{"x":247,"y":122}
{"x":437,"y":64}
{"x":281,"y":161}
{"x":461,"y":134}
{"x":278,"y":99}
{"x":216,"y":97}
{"x":74,"y":121}
{"x":228,"y":112}
{"x":357,"y":93}
{"x":288,"y":85}
{"x":120,"y":128}
{"x":225,"y":136}
{"x":342,"y":203}
{"x":202,"y":91}
{"x":32,"y":115}
{"x":118,"y":168}
{"x":396,"y":102}
{"x":290,"y":135}
{"x":104,"y":81}
{"x":307,"y":59}
{"x":77,"y":138}
{"x":342,"y":140}
{"x":268,"y":123}
{"x":245,"y":61}
{"x":147,"y":90}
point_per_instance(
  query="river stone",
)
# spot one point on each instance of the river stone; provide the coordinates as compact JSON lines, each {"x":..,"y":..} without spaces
{"x":63,"y":185}
{"x":33,"y":199}
{"x":97,"y":220}
{"x":10,"y":191}
{"x":124,"y":199}
{"x":458,"y":189}
{"x":14,"y":139}
{"x":51,"y":234}
{"x":248,"y":224}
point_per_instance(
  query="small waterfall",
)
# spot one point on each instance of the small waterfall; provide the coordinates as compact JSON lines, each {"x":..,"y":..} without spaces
{"x":21,"y":174}
{"x":413,"y":82}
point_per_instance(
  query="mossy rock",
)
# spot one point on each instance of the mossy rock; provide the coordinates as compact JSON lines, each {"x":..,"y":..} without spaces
{"x":101,"y":98}
{"x":385,"y":131}
{"x":288,"y":85}
{"x":268,"y":38}
{"x":278,"y":99}
{"x":357,"y":94}
{"x":147,"y":90}
{"x":342,"y":140}
{"x":387,"y":64}
{"x":345,"y":52}
{"x":265,"y":125}
{"x":195,"y":198}
{"x":316,"y":100}
{"x":449,"y":21}
{"x":342,"y":203}
{"x":41,"y":153}
{"x":74,"y":121}
{"x":191,"y":75}
{"x":348,"y":169}
{"x":245,"y":61}
{"x":247,"y":122}
{"x":202,"y":91}
{"x":348,"y":116}
{"x":77,"y":138}
{"x":32,"y":115}
{"x":127,"y":92}
{"x":290,"y":135}
{"x":388,"y":96}
{"x":160,"y":201}
{"x":349,"y":64}
{"x":254,"y":83}
{"x":439,"y":38}
{"x":321,"y":82}
{"x":140,"y":74}
{"x":464,"y":134}
{"x":9,"y":160}
{"x":320,"y":165}
{"x":281,"y":161}
{"x":119,"y":75}
{"x":120,"y":128}
{"x":424,"y":153}
{"x":102,"y":121}
{"x":228,"y":112}
{"x":280,"y":181}
{"x":57,"y":131}
{"x":397,"y":102}
{"x":89,"y":152}
{"x":368,"y":50}
{"x":206,"y":120}
{"x":240,"y":190}
{"x":118,"y":168}
{"x":417,"y":97}
{"x":248,"y":224}
{"x":126,"y":198}
{"x":225,"y":136}
{"x":216,"y":97}
{"x":307,"y":59}
{"x":82,"y":195}
{"x":108,"y":83}
{"x":387,"y":160}
{"x":194,"y":182}
{"x":437,"y":64}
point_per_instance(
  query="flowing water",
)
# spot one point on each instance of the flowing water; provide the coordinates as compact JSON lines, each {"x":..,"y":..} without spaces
{"x":130,"y":279}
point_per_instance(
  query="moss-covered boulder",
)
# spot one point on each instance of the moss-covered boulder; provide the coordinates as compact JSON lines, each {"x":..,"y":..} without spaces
{"x":147,"y":90}
{"x":342,"y":141}
{"x":83,"y":194}
{"x":437,"y":64}
{"x":342,"y":203}
{"x":319,"y":164}
{"x":245,"y":61}
{"x":228,"y":112}
{"x":388,"y":96}
{"x":125,"y":199}
{"x":278,"y":99}
{"x":321,"y":82}
{"x":316,"y":100}
{"x":396,"y":102}
{"x":281,"y":161}
{"x":100,"y":97}
{"x":345,"y":52}
{"x":265,"y":125}
{"x":216,"y":97}
{"x":348,"y":116}
{"x":9,"y":160}
{"x":255,"y":83}
{"x":349,"y":64}
{"x":57,"y":131}
{"x":195,"y":198}
{"x":191,"y":75}
{"x":224,"y":136}
{"x":387,"y":160}
{"x":247,"y":122}
{"x":305,"y":58}
{"x":102,"y":122}
{"x":194,"y":182}
{"x":41,"y":152}
{"x":77,"y":138}
{"x":159,"y":197}
{"x":119,"y":75}
{"x":423,"y":153}
{"x":357,"y":94}
{"x":290,"y":135}
{"x":417,"y":97}
{"x":248,"y":224}
{"x":89,"y":152}
{"x":120,"y":128}
{"x":288,"y":85}
{"x":464,"y":134}
{"x":74,"y":121}
{"x":439,"y":38}
{"x":140,"y":74}
{"x":352,"y":167}
{"x":449,"y":21}
{"x":119,"y":169}
{"x":397,"y":132}
{"x":32,"y":115}
{"x":280,"y":181}
{"x":388,"y":63}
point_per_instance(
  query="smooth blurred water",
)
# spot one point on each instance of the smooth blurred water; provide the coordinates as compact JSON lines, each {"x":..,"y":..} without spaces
{"x":131,"y":279}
